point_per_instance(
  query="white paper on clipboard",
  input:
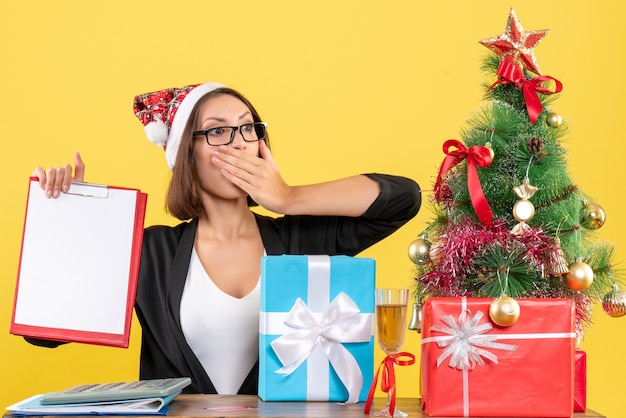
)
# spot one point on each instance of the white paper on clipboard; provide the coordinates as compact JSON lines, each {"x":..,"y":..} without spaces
{"x":79,"y":263}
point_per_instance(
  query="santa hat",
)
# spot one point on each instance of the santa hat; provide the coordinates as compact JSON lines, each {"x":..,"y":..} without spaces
{"x":164,"y":114}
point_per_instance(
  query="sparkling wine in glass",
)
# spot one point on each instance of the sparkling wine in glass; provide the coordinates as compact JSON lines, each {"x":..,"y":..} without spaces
{"x":391,"y":312}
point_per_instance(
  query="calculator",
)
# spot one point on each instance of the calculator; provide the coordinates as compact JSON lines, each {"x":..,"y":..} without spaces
{"x":117,"y":391}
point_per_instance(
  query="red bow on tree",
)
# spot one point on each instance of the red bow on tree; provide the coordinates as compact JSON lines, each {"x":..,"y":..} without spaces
{"x":508,"y":73}
{"x":477,"y":156}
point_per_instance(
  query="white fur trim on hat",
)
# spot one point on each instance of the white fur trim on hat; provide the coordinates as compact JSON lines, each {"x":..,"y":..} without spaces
{"x":181,"y":117}
{"x":156,"y":131}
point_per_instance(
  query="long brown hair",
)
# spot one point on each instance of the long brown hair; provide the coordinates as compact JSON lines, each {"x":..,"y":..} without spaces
{"x":183,"y":196}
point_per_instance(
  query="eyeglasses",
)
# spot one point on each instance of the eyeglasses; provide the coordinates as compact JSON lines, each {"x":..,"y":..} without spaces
{"x":224,"y":135}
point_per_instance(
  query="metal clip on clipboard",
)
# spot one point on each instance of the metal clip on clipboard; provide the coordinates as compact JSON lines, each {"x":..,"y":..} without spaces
{"x":89,"y":190}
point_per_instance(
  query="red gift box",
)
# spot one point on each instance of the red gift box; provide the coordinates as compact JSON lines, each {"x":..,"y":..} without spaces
{"x":472,"y":367}
{"x":580,"y":381}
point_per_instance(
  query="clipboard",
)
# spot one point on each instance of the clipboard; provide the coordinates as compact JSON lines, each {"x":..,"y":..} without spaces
{"x":79,"y":264}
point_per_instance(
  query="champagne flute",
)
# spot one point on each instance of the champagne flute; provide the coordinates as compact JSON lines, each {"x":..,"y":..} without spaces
{"x":391,"y":311}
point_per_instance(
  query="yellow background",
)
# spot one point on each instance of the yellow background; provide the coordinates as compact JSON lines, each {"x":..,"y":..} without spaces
{"x":346,"y":87}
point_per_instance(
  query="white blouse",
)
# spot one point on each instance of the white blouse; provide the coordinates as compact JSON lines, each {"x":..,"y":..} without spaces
{"x":222,"y":330}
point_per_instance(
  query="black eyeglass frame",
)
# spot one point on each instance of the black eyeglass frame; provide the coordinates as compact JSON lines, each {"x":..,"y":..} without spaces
{"x":233,"y":129}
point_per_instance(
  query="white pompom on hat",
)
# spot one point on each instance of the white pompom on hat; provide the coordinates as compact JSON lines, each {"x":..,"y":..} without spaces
{"x":164,"y":114}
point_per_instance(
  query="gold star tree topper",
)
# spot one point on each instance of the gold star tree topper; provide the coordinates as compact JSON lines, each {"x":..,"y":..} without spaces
{"x":516,"y":45}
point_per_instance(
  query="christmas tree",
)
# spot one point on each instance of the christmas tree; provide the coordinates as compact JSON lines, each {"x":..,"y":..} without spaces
{"x":509,"y":221}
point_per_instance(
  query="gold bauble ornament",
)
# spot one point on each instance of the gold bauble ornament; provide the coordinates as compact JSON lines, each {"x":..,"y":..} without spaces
{"x":436,"y":254}
{"x":523,"y":210}
{"x":554,"y":120}
{"x":592,"y":216}
{"x":579,"y":276}
{"x":614,"y":302}
{"x":504,"y":311}
{"x":491,"y":152}
{"x":419,"y":250}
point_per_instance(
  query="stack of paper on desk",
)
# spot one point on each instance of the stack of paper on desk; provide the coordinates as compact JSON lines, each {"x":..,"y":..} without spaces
{"x":149,"y":406}
{"x":142,"y":397}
